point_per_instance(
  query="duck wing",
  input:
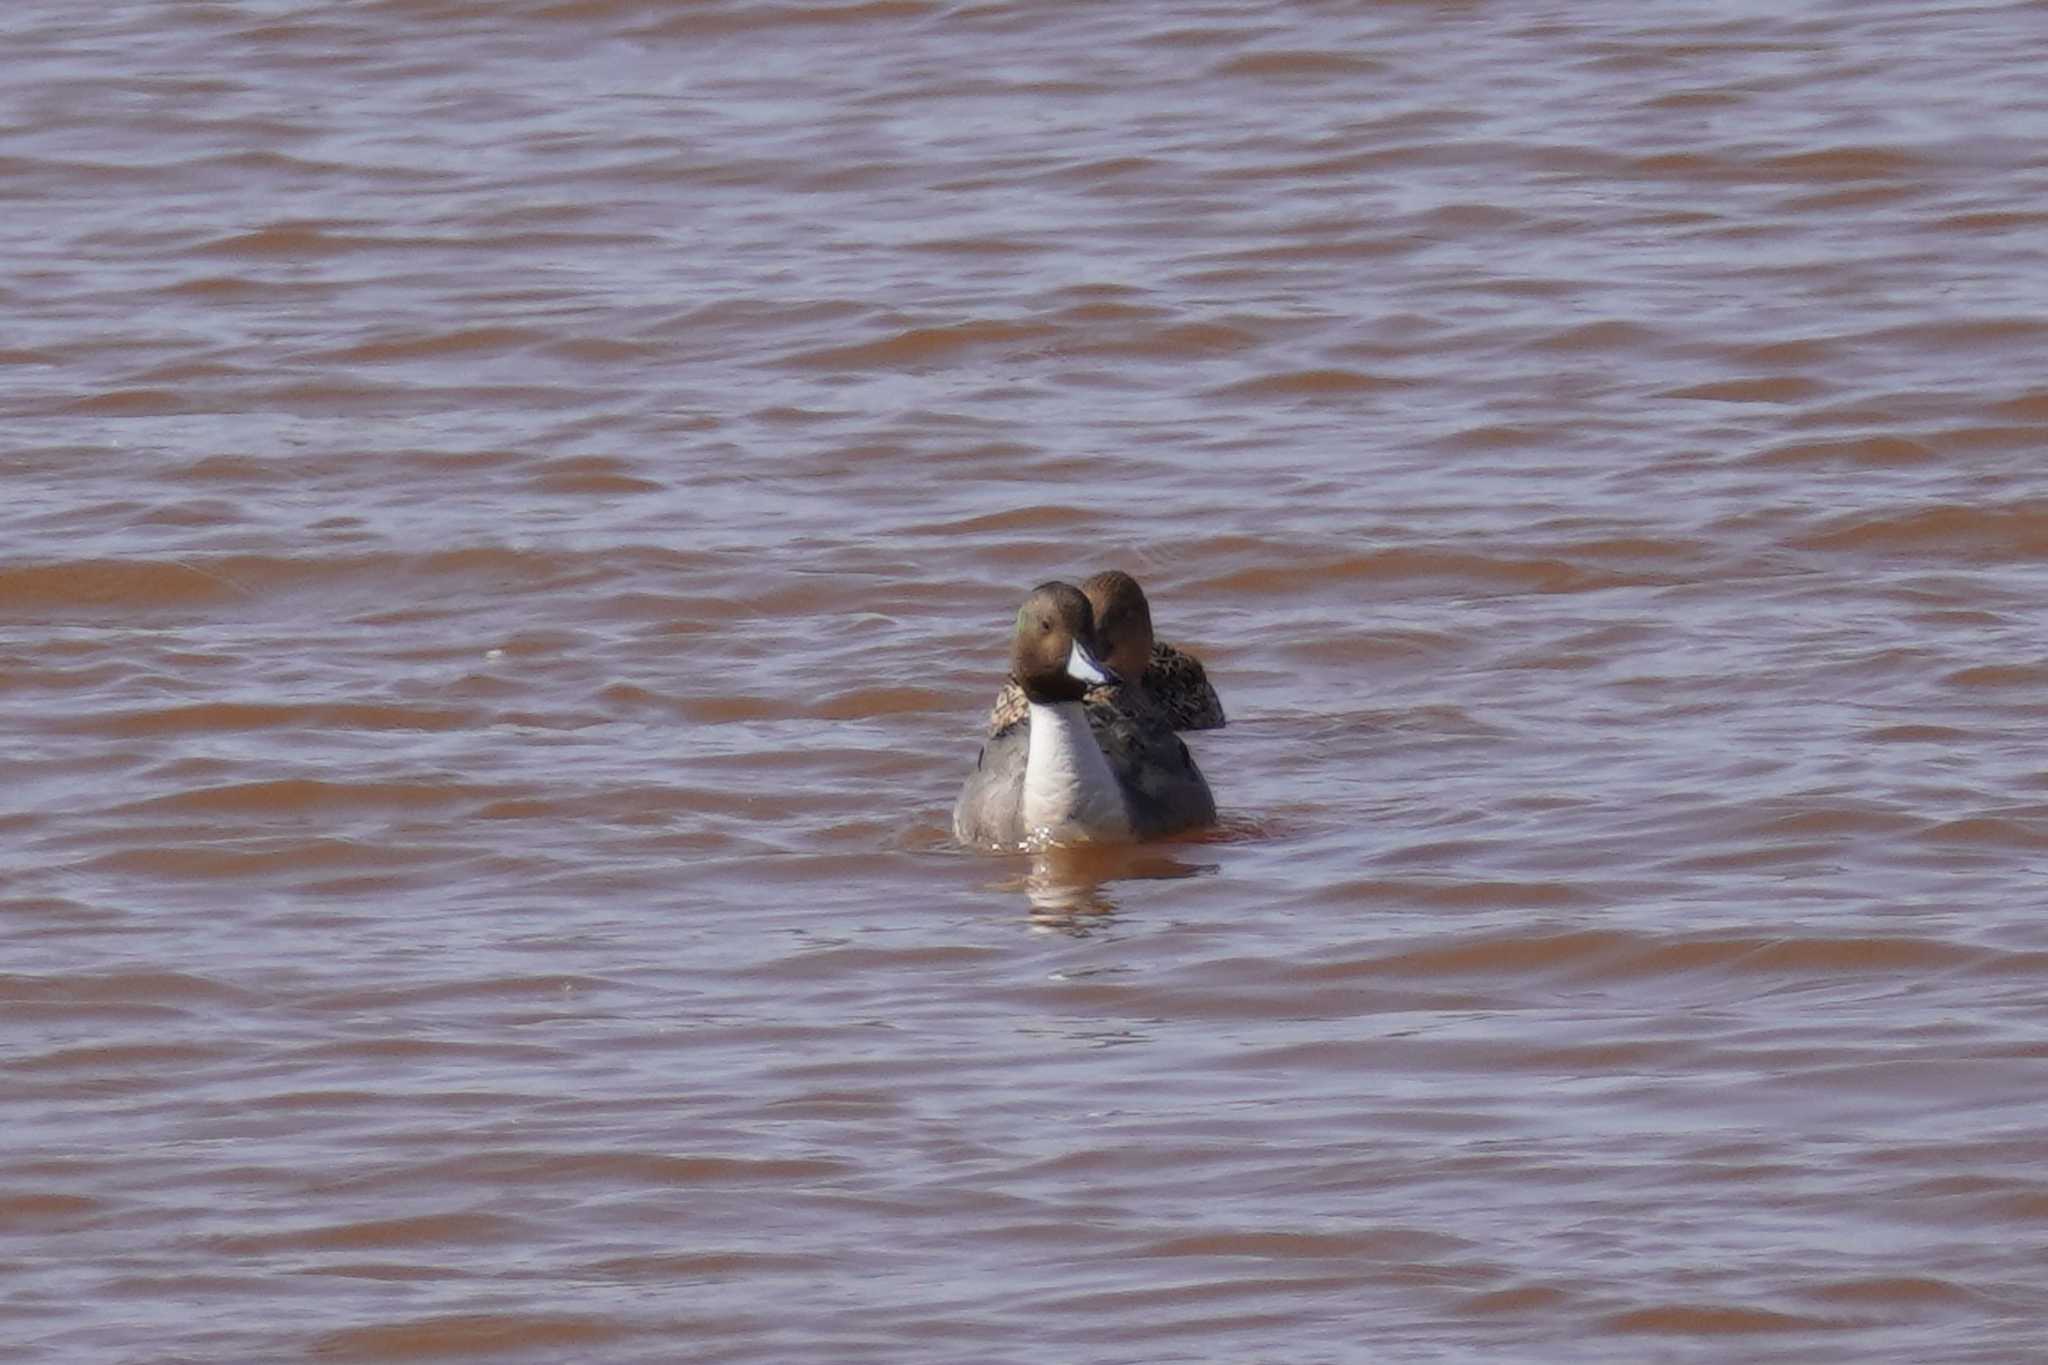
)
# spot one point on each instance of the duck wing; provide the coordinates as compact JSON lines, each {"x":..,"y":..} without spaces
{"x":1180,"y":686}
{"x":1163,"y":787}
{"x":990,"y":810}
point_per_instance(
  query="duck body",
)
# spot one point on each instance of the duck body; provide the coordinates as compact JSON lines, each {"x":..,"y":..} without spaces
{"x":1086,"y":763}
{"x":1045,"y":780}
{"x":1177,"y":682}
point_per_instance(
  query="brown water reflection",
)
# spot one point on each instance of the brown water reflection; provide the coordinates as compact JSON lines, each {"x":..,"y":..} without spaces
{"x":1069,"y":888}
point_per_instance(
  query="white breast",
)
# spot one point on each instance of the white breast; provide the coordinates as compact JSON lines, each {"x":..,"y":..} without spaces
{"x":1070,"y":792}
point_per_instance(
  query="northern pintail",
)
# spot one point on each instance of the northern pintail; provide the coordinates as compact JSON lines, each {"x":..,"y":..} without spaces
{"x":1076,"y":769}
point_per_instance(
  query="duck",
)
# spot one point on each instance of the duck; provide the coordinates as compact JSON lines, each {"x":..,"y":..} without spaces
{"x":1076,"y":768}
{"x":1157,"y":675}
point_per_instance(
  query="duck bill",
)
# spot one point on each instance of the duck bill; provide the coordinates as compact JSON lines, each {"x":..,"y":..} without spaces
{"x":1083,"y":666}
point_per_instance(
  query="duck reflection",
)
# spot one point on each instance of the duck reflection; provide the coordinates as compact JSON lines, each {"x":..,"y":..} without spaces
{"x":1067,"y":886}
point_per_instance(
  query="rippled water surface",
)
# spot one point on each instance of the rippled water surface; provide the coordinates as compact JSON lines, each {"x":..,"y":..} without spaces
{"x":511,"y":517}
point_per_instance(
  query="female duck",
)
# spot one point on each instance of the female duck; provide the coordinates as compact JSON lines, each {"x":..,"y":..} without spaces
{"x":1154,"y":673}
{"x":1074,"y":771}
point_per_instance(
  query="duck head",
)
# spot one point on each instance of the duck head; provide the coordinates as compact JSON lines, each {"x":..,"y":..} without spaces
{"x":1053,"y":654}
{"x":1123,"y":621}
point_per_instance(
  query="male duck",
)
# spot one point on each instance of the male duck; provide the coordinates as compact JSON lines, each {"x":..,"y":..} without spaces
{"x":1075,"y":770}
{"x":1154,"y":673}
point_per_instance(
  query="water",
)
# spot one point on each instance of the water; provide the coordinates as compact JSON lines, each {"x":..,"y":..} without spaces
{"x":512,"y":518}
